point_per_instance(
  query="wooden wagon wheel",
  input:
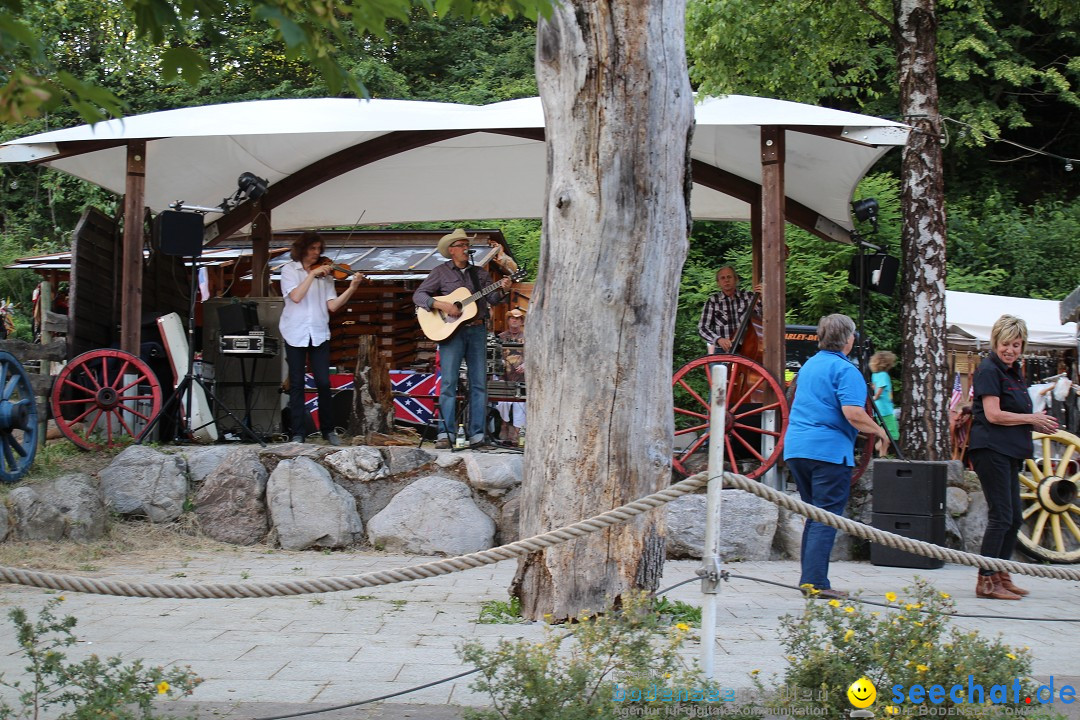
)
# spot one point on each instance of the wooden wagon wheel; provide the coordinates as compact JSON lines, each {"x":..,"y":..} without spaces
{"x":743,"y":431}
{"x":19,"y":433}
{"x":102,"y":397}
{"x":1048,"y":494}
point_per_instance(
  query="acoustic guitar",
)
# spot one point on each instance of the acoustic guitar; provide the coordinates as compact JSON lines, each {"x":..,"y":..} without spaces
{"x":438,"y":326}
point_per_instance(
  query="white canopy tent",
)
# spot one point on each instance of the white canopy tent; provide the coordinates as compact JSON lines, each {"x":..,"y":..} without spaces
{"x":340,"y":162}
{"x":492,"y":163}
{"x":970,"y":316}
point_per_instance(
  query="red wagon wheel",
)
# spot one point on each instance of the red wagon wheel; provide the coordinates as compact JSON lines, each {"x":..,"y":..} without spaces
{"x":743,"y":431}
{"x":103,"y":397}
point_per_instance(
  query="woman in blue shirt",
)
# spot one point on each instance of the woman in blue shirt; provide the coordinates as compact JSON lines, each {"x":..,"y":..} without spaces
{"x":828,"y":412}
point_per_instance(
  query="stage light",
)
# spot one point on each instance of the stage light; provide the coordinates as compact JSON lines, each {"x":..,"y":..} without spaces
{"x":866,"y":210}
{"x":251,"y":186}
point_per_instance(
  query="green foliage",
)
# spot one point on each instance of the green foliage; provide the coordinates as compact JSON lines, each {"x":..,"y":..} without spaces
{"x":677,"y":611}
{"x":497,"y":612}
{"x":181,"y":36}
{"x":579,"y":675}
{"x":832,"y":644}
{"x":86,"y":690}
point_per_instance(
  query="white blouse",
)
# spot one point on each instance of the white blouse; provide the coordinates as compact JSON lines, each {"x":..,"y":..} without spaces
{"x":308,"y":320}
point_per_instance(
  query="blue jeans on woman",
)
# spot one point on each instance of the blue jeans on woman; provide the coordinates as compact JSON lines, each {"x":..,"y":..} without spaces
{"x":825,"y":485}
{"x":469,"y":343}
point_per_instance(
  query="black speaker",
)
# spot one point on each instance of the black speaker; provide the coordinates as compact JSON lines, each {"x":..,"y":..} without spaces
{"x":880,"y":271}
{"x":238,"y":318}
{"x":928,"y":528}
{"x":179,"y":233}
{"x":909,"y":488}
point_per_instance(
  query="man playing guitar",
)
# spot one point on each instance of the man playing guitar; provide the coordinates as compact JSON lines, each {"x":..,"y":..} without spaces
{"x":468,"y":342}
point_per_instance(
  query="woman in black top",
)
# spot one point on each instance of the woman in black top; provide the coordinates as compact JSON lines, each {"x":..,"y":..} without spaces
{"x":1000,"y":442}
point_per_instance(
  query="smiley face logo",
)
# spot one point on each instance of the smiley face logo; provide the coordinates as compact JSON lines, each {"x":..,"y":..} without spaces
{"x":862,"y":693}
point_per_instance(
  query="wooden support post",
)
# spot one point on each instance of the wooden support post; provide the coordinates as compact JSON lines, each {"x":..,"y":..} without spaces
{"x":261,"y":232}
{"x":132,"y":262}
{"x":773,"y":288}
{"x":373,"y":400}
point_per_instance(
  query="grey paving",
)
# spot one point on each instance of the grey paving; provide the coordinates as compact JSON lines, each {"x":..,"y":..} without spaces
{"x":271,"y":656}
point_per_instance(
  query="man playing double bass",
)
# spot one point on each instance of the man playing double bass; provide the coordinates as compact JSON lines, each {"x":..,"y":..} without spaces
{"x":724,"y":311}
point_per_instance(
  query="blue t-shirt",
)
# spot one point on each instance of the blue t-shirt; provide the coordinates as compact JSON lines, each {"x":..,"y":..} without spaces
{"x":817,"y":428}
{"x":884,"y":402}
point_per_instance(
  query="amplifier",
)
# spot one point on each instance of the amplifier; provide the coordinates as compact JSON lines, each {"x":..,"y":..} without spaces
{"x":909,"y":488}
{"x":928,"y":528}
{"x":249,"y":345}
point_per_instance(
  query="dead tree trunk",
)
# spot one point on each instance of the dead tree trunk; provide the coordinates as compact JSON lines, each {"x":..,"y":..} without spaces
{"x":924,"y":420}
{"x":373,"y":401}
{"x":619,"y":116}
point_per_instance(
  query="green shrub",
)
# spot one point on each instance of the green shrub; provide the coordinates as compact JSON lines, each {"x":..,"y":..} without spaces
{"x":912,"y":642}
{"x":606,"y":666}
{"x":93,"y":689}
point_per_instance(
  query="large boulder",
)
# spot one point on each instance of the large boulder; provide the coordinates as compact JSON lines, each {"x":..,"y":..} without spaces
{"x":271,"y":455}
{"x":405,"y":459}
{"x":361,"y":463}
{"x":973,"y":522}
{"x":433,"y":516}
{"x":69,"y":507}
{"x":231,"y":502}
{"x":204,"y":459}
{"x":747,"y":526}
{"x":494,"y":474}
{"x":143,"y":482}
{"x":308,"y":509}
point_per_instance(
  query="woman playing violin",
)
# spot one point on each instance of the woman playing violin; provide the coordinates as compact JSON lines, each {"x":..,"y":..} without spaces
{"x":307,"y":285}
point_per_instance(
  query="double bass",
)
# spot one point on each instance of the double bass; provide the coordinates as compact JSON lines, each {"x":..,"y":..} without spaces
{"x":746,"y":385}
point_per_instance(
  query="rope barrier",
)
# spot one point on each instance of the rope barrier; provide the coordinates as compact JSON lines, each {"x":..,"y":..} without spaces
{"x":616,"y":516}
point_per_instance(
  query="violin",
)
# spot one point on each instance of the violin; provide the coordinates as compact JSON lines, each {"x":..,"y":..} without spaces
{"x":339,"y":271}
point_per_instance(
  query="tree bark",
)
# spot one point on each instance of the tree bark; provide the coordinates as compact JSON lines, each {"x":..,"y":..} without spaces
{"x":924,"y":419}
{"x":619,"y":117}
{"x":373,"y":400}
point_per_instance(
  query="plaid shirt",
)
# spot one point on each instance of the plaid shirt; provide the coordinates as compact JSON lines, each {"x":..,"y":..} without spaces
{"x":721,"y":315}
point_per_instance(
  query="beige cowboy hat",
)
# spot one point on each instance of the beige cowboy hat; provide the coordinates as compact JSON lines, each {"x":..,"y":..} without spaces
{"x":447,"y":240}
{"x":516,"y":312}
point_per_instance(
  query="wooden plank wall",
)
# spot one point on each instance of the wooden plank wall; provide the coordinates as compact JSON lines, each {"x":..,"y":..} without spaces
{"x":94,"y":295}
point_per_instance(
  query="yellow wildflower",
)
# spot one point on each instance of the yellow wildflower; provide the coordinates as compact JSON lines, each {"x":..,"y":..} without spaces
{"x":913,"y":606}
{"x":946,"y":595}
{"x":918,"y":624}
{"x":848,"y":635}
{"x":162,"y":687}
{"x":890,"y":596}
{"x":849,"y":609}
{"x":754,"y":672}
{"x":921,"y":668}
{"x":834,"y":603}
{"x":1010,"y":656}
{"x":682,"y":626}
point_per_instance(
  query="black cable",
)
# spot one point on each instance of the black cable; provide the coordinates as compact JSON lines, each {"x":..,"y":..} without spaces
{"x":726,"y":576}
{"x":430,"y":684}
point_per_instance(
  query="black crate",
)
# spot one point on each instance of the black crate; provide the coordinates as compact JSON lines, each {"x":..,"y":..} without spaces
{"x":909,"y":488}
{"x":928,"y":528}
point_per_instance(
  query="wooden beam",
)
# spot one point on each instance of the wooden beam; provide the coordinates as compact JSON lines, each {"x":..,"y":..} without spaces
{"x":773,"y":288}
{"x":132,"y":257}
{"x":324,"y":169}
{"x":261,"y":232}
{"x":748,"y":191}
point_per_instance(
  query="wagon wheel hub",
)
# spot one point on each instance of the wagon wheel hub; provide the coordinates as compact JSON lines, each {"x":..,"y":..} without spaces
{"x":1056,"y":494}
{"x":107,"y":398}
{"x":13,"y":415}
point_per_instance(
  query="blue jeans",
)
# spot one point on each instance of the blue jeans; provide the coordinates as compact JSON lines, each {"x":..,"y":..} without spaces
{"x":297,"y":359}
{"x":827,"y":486}
{"x":469,"y":343}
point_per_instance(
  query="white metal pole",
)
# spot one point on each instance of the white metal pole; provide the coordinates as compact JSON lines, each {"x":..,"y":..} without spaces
{"x":710,"y":571}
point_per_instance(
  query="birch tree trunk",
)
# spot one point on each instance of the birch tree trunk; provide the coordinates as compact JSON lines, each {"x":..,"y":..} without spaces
{"x":619,"y":116}
{"x":924,"y":419}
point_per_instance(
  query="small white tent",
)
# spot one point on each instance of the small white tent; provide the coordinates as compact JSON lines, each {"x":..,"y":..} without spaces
{"x":969,"y":317}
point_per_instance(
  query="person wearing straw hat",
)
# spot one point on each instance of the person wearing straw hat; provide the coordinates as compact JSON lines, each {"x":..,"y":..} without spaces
{"x":468,"y":343}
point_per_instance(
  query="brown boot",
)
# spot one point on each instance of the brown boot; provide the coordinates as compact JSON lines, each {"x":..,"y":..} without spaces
{"x":989,"y":587}
{"x":1007,"y":583}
